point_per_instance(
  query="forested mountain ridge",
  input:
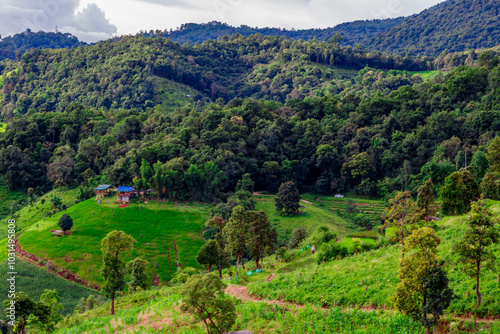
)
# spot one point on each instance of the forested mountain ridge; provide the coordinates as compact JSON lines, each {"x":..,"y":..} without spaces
{"x":352,"y":32}
{"x":20,"y":43}
{"x":124,"y":72}
{"x":452,"y":25}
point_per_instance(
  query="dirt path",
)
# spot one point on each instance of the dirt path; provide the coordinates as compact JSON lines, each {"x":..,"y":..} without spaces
{"x":241,"y":292}
{"x":303,"y":200}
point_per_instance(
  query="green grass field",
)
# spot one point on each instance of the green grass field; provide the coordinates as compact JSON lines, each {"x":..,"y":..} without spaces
{"x":171,"y":94}
{"x":369,"y":278}
{"x":426,"y":75}
{"x":157,"y":227}
{"x":371,"y":208}
{"x":312,"y":217}
{"x":33,"y":280}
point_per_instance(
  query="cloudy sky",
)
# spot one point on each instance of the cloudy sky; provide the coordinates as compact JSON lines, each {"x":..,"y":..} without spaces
{"x":92,"y":20}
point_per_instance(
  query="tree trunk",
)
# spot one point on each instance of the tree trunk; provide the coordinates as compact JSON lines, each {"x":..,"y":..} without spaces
{"x":220,"y":271}
{"x":478,"y":294}
{"x":112,"y":303}
{"x":257,"y":263}
{"x":209,"y":268}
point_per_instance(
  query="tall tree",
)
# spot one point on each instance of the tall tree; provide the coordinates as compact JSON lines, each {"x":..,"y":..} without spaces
{"x":262,"y":236}
{"x":399,"y":214}
{"x":236,"y":234}
{"x":459,"y":190}
{"x":474,"y":248}
{"x":426,"y":201}
{"x":113,"y":267}
{"x":211,"y":254}
{"x":421,"y":285}
{"x":288,"y":198}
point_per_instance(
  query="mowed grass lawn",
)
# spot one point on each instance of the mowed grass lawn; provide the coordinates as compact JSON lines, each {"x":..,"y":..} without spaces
{"x":311,"y":218}
{"x":33,"y":280}
{"x":159,"y":228}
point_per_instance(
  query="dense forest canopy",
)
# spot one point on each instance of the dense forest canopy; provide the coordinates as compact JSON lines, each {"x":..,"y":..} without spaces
{"x":450,"y":26}
{"x":367,"y":143}
{"x":12,"y":46}
{"x":124,"y":72}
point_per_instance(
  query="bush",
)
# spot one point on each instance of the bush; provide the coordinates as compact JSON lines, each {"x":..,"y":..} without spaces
{"x":182,"y":275}
{"x":298,"y":235}
{"x":331,"y":251}
{"x":323,"y":235}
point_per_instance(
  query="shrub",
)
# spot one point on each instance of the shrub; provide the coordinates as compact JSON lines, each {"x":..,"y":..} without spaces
{"x":299,"y":234}
{"x":330,"y":251}
{"x":323,"y":235}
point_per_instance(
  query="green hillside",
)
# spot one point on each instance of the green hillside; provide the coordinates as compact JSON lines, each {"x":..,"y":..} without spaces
{"x":160,"y":229}
{"x":33,"y":280}
{"x":369,"y":278}
{"x":441,"y":28}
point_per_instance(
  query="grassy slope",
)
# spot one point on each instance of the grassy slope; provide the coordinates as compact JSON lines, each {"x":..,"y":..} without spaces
{"x":171,"y":94}
{"x":143,"y":314}
{"x":33,"y":280}
{"x":29,"y":215}
{"x":154,"y":226}
{"x":341,"y":282}
{"x":158,"y":311}
{"x":312,"y":217}
{"x":7,"y":198}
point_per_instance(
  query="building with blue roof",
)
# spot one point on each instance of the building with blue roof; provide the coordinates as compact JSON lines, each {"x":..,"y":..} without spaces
{"x":125,"y":194}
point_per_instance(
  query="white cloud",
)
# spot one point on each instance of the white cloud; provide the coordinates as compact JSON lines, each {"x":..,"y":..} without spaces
{"x":17,"y":16}
{"x":86,"y":18}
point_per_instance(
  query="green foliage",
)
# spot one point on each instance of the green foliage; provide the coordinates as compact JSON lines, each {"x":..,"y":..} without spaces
{"x":138,"y":275}
{"x":459,"y":190}
{"x":474,"y":249}
{"x":423,"y":289}
{"x":298,"y":235}
{"x":29,"y":314}
{"x":211,"y":254}
{"x":113,"y":267}
{"x":426,"y":201}
{"x":65,"y":222}
{"x":204,"y":298}
{"x":331,"y":251}
{"x":323,"y":235}
{"x":287,"y":198}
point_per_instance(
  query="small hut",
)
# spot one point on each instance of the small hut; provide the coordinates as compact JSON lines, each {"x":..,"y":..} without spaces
{"x":102,"y":191}
{"x":125,"y":194}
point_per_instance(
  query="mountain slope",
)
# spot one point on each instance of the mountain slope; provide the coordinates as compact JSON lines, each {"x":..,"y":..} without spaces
{"x":352,"y":32}
{"x":453,"y":25}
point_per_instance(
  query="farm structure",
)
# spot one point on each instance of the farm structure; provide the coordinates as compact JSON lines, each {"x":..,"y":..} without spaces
{"x":125,"y":194}
{"x":102,"y":191}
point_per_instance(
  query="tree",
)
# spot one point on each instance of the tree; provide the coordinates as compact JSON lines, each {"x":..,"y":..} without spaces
{"x":26,"y":308}
{"x":138,"y":276}
{"x":298,"y":235}
{"x":493,"y":155}
{"x":159,"y":178}
{"x":204,"y":298}
{"x":146,"y":173}
{"x":426,"y":201}
{"x":236,"y":232}
{"x":262,"y":236}
{"x":422,"y":288}
{"x":56,"y":201}
{"x":210,"y":254}
{"x":398,"y":215}
{"x":31,"y":194}
{"x":287,"y":198}
{"x":459,"y":190}
{"x":113,"y":267}
{"x":474,"y":248}
{"x":65,"y":222}
{"x":245,"y":183}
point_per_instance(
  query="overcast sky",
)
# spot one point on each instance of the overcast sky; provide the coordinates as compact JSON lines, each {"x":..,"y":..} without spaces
{"x":92,"y":20}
